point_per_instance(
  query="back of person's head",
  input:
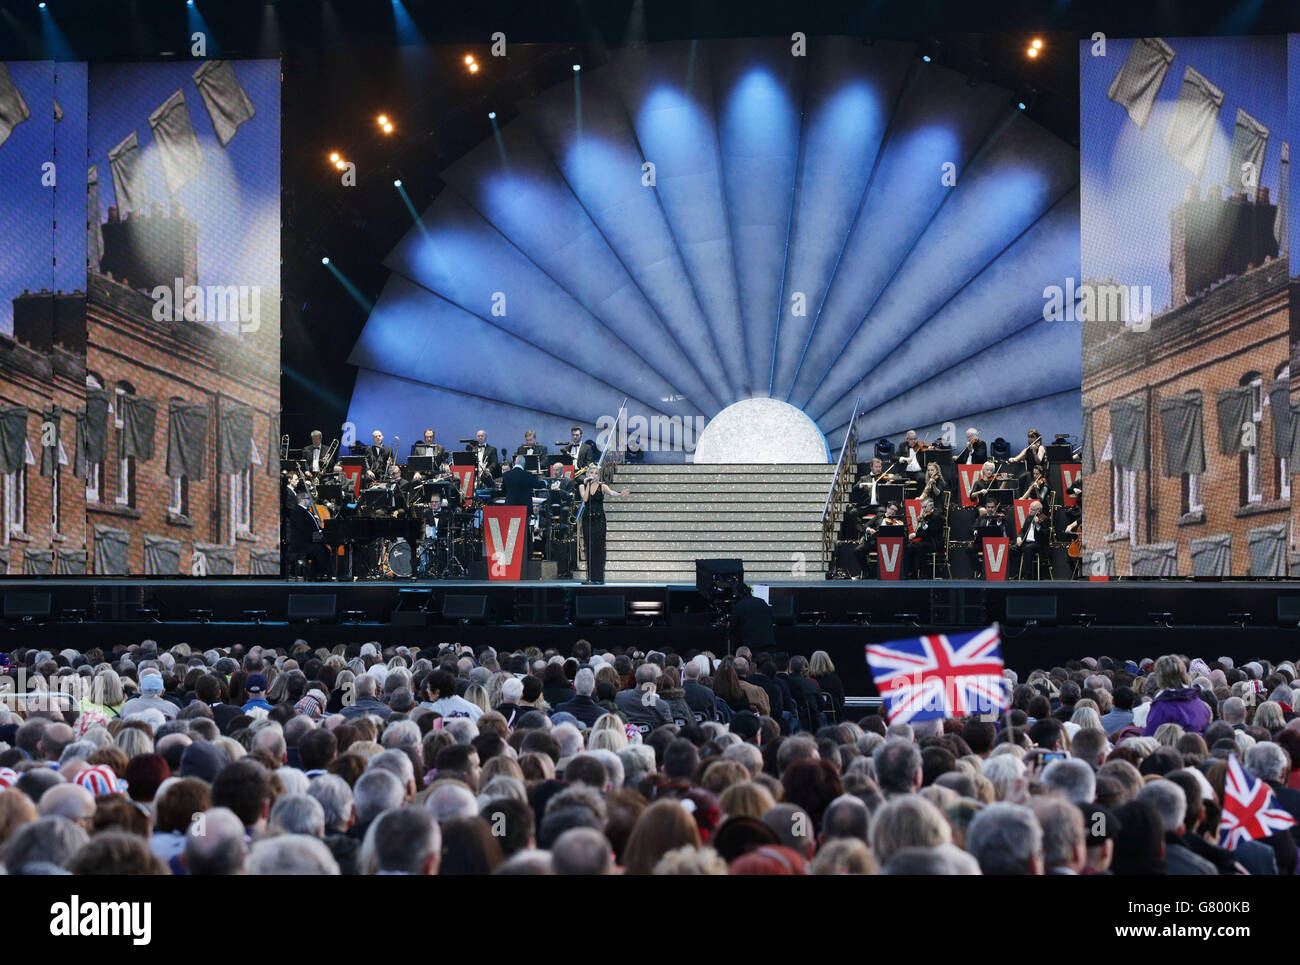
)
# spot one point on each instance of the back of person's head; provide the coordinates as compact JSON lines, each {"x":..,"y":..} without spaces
{"x":49,"y":841}
{"x":376,"y":791}
{"x":117,"y":853}
{"x":1168,"y":801}
{"x":335,"y":797}
{"x":1006,"y":839}
{"x":663,"y":826}
{"x":1139,"y":840}
{"x":291,"y":854}
{"x":1061,"y":822}
{"x":681,"y":759}
{"x":907,"y":821}
{"x":1073,"y":778}
{"x":581,"y":851}
{"x":846,"y":817}
{"x":898,"y":766}
{"x":297,"y":814}
{"x":245,"y":788}
{"x":403,"y":841}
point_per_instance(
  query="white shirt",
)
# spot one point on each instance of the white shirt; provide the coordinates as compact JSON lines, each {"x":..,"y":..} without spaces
{"x":315,"y":458}
{"x":455,"y":706}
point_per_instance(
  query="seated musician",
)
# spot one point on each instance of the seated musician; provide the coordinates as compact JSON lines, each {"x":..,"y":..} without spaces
{"x":935,"y":487}
{"x":429,"y":447}
{"x":984,"y":482}
{"x":864,"y":493}
{"x":925,"y":539}
{"x":1033,"y":540}
{"x":1034,"y":454}
{"x":378,"y":457}
{"x":850,"y":550}
{"x":907,"y":463}
{"x":314,"y":458}
{"x":531,"y":446}
{"x":1037,"y":488}
{"x":1075,"y":489}
{"x":976,"y":451}
{"x":991,"y":521}
{"x":305,"y":532}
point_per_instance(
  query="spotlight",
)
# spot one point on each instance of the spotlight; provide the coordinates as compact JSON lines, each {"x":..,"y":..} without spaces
{"x":397,"y":183}
{"x":189,"y":3}
{"x":473,"y":68}
{"x":1021,"y":105}
{"x":383,"y":119}
{"x":492,"y":115}
{"x":469,"y":58}
{"x":388,"y":128}
{"x":1032,"y":52}
{"x":41,"y":6}
{"x":1037,"y":44}
{"x":926,"y":58}
{"x":334,"y":158}
{"x":577,"y":67}
{"x":325,"y":260}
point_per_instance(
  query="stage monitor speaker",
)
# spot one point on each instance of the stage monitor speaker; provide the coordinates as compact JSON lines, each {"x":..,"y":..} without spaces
{"x":463,"y":606}
{"x":783,"y":610}
{"x":1288,"y":610}
{"x":599,"y":606}
{"x":1023,"y":607}
{"x":312,"y":606}
{"x":22,"y":606}
{"x":707,"y":571}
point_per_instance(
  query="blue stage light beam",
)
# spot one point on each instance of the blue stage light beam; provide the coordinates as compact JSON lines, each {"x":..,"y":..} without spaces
{"x":56,"y":45}
{"x":365,"y":304}
{"x":415,"y":215}
{"x":198,"y":25}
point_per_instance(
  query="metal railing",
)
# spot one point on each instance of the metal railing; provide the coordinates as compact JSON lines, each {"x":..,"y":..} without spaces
{"x":840,"y":488}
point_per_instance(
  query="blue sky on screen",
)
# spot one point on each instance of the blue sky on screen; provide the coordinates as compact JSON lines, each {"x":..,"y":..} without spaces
{"x":33,"y":254}
{"x":235,"y":198}
{"x":1130,"y":183}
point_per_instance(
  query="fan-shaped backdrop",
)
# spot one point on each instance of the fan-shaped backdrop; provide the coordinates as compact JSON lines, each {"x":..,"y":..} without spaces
{"x":695,"y":223}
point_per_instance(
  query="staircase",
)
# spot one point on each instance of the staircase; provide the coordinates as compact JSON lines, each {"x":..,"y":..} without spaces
{"x":768,"y":516}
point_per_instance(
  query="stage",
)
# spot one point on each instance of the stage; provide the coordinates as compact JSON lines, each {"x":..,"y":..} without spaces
{"x":1044,"y":624}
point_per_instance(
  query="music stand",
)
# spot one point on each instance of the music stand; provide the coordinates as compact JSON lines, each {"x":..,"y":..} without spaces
{"x":464,"y":458}
{"x":533,"y":464}
{"x":420,"y":464}
{"x":887,"y":493}
{"x":935,"y":454}
{"x":1004,"y":497}
{"x":1057,"y":454}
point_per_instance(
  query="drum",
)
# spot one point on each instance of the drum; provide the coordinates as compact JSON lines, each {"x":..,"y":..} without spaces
{"x":400,"y":558}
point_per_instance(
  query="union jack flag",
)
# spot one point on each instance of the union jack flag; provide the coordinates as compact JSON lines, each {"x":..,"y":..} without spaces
{"x":927,"y":678}
{"x":1249,"y":810}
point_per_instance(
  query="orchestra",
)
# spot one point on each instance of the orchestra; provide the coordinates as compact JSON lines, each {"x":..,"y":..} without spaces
{"x":363,"y":514}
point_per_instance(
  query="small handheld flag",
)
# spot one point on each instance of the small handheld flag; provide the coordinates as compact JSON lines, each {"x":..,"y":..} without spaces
{"x":929,"y":678}
{"x":1249,"y":808}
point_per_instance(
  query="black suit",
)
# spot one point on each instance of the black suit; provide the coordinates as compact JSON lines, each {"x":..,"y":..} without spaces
{"x":979,"y":456}
{"x":307,"y":458}
{"x":1040,"y":547}
{"x":491,"y":459}
{"x":929,"y":531}
{"x":751,"y":623}
{"x":583,"y":455}
{"x":519,"y":484}
{"x":377,"y":459}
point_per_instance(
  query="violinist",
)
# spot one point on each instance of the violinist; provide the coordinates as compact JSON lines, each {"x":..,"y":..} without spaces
{"x":935,"y":488}
{"x":1037,"y":488}
{"x":908,"y":462}
{"x":991,"y":521}
{"x":1034,"y":454}
{"x":865,"y":490}
{"x":976,"y":451}
{"x":925,"y":540}
{"x":985,"y":481}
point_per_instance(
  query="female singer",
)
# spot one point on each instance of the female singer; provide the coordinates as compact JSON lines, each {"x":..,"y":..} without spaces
{"x":593,"y":489}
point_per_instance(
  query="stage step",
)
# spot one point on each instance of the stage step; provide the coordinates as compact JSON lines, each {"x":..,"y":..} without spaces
{"x":768,"y":516}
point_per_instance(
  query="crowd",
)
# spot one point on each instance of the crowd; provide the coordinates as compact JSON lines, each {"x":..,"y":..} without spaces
{"x":363,"y":759}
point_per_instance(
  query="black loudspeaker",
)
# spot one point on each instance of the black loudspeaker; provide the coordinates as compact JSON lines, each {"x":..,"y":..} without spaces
{"x":707,"y":571}
{"x":19,"y":606}
{"x":312,"y":606}
{"x":465,"y":606}
{"x":1023,"y":607}
{"x":599,"y":606}
{"x":1288,"y":610}
{"x":783,"y":610}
